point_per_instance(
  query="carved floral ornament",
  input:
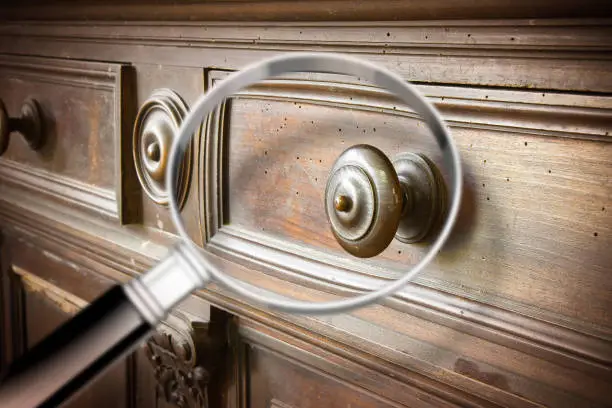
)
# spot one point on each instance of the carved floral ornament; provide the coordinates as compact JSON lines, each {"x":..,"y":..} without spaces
{"x":184,"y":355}
{"x":157,"y":122}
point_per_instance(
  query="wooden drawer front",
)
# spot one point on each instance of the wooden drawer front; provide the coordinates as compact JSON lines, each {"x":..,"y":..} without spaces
{"x":534,"y":223}
{"x":528,"y":256}
{"x":86,"y":113}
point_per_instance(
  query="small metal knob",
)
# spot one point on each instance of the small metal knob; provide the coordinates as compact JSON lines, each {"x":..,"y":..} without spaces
{"x":153,"y":152}
{"x":370,"y":200}
{"x":342,"y":203}
{"x":29,"y":124}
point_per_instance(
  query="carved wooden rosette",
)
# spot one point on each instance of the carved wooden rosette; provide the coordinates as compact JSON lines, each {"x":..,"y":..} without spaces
{"x":156,"y":126}
{"x":185,"y":354}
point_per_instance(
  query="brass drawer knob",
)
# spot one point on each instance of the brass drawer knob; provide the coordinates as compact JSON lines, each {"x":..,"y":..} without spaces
{"x":370,"y":200}
{"x":157,"y":122}
{"x":29,"y":124}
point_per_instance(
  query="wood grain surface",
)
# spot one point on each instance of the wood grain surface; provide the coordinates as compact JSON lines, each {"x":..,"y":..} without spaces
{"x":513,"y":312}
{"x":524,"y":226}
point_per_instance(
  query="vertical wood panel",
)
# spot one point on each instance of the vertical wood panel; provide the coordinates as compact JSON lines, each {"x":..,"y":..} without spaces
{"x":146,"y":396}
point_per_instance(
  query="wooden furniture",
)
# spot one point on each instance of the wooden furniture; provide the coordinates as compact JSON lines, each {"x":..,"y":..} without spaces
{"x":514,"y":312}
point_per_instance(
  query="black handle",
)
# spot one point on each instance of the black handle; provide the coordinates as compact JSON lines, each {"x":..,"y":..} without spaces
{"x":52,"y":370}
{"x":30,"y":124}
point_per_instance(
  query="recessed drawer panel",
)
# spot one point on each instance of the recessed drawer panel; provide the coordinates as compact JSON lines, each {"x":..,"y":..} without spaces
{"x":530,"y":245}
{"x":86,"y":107}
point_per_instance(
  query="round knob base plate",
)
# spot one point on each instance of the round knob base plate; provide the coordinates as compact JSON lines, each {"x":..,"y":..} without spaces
{"x":157,"y":122}
{"x":363,"y":177}
{"x":426,"y":203}
{"x":31,"y":118}
{"x":5,"y":129}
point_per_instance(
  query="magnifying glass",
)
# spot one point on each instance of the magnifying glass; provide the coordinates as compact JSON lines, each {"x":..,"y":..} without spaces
{"x":115,"y":323}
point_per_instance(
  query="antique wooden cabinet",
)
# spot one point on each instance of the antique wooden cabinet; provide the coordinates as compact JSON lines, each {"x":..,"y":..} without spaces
{"x":516,"y":309}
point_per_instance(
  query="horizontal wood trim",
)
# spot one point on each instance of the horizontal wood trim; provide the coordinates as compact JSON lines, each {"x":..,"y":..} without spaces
{"x":67,"y":302}
{"x":324,"y":10}
{"x":526,"y":112}
{"x":48,"y":267}
{"x":569,"y":55}
{"x":427,"y":302}
{"x":85,"y":74}
{"x":44,"y":185}
{"x":396,"y":38}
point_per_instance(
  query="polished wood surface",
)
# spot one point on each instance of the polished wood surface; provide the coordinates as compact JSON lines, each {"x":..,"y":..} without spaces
{"x":513,"y":312}
{"x":521,"y":189}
